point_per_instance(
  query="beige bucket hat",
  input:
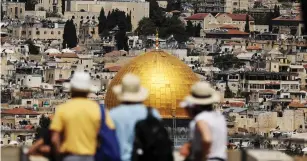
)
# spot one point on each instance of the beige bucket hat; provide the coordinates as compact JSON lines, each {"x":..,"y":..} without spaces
{"x":130,"y":90}
{"x":201,"y":94}
{"x":81,"y":81}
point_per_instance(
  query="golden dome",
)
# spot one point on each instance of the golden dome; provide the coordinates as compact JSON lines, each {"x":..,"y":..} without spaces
{"x":166,"y":77}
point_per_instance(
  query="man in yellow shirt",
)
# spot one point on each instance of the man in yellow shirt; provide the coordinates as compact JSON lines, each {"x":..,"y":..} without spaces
{"x":76,"y":123}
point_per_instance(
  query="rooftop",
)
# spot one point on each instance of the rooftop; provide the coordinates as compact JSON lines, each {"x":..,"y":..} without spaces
{"x":19,"y":111}
{"x":237,"y":17}
{"x":197,"y":16}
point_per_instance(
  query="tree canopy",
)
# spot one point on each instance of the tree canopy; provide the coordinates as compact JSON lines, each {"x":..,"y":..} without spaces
{"x":173,"y":5}
{"x":247,"y":24}
{"x":102,"y":21}
{"x":113,"y":19}
{"x":167,"y":25}
{"x":227,"y":61}
{"x":146,"y":27}
{"x":33,"y":49}
{"x":228,"y":93}
{"x":70,"y":39}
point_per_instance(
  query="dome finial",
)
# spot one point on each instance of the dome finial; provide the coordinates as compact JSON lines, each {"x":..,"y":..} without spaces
{"x":157,"y":39}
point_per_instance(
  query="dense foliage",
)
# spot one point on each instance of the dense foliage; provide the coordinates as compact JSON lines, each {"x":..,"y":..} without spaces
{"x":114,"y":19}
{"x":247,"y":24}
{"x":33,"y":49}
{"x":70,"y":39}
{"x":227,"y":61}
{"x":167,"y":25}
{"x":193,"y":30}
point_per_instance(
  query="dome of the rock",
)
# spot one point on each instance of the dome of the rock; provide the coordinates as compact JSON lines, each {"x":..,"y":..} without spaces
{"x":166,"y":77}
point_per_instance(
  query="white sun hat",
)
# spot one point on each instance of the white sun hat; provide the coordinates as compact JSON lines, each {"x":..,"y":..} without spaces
{"x":201,"y":94}
{"x":81,"y":81}
{"x":130,"y":90}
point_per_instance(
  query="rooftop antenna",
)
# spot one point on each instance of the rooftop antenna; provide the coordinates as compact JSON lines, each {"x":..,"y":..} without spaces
{"x":157,"y":39}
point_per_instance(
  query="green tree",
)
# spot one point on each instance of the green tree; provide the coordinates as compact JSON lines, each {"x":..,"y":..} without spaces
{"x":227,"y":61}
{"x":247,"y":23}
{"x":228,"y":93}
{"x":276,"y":11}
{"x":102,"y":21}
{"x":2,"y":12}
{"x":63,"y":6}
{"x":190,"y":29}
{"x":129,"y":23}
{"x":156,"y":13}
{"x":173,"y":26}
{"x":29,"y":4}
{"x":70,"y":39}
{"x":197,"y":30}
{"x":33,"y":49}
{"x":146,"y":27}
{"x":173,"y":5}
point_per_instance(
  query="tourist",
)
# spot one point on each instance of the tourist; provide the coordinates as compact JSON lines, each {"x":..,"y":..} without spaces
{"x":78,"y":120}
{"x":131,"y":110}
{"x":208,"y":127}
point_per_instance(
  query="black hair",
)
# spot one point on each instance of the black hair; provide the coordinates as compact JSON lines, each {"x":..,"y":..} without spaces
{"x":130,"y":103}
{"x":75,"y":94}
{"x":196,"y":109}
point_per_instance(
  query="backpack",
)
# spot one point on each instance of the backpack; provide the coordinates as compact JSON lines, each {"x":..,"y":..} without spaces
{"x":152,"y":142}
{"x":108,"y":146}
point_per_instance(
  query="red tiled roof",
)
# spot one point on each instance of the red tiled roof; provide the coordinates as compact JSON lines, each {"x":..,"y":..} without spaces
{"x":253,"y":48}
{"x":283,"y":18}
{"x":237,"y":17}
{"x":19,"y":111}
{"x":296,"y":104}
{"x":236,"y":32}
{"x":77,"y":48}
{"x":234,"y":104}
{"x":228,"y":27}
{"x":197,"y":16}
{"x":305,"y":66}
{"x":114,"y":68}
{"x":229,"y":32}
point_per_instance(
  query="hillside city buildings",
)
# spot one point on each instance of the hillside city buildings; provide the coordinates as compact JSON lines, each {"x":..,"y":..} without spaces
{"x":266,"y":94}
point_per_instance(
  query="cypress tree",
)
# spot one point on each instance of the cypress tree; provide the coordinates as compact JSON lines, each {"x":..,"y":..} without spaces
{"x":129,"y":24}
{"x":70,"y":39}
{"x":63,"y":6}
{"x":247,"y":24}
{"x":197,"y":30}
{"x":190,"y":29}
{"x":102,"y":21}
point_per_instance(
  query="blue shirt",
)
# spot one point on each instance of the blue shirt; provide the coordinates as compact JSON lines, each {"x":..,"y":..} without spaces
{"x":125,"y":117}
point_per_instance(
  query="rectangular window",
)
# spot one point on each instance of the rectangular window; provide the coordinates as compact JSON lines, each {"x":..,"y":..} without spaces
{"x":16,"y":11}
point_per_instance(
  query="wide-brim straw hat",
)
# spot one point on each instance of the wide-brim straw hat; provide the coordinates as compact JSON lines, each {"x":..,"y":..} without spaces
{"x":201,"y":94}
{"x":130,"y":90}
{"x":81,"y":82}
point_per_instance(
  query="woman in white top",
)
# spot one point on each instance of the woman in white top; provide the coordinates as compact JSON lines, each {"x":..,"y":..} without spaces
{"x":208,"y":127}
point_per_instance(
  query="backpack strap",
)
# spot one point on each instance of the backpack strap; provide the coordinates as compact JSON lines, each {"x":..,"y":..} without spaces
{"x":102,"y":112}
{"x":149,"y":111}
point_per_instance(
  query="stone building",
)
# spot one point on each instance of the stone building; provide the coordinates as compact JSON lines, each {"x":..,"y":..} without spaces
{"x":15,"y":10}
{"x":262,"y":122}
{"x":138,"y":9}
